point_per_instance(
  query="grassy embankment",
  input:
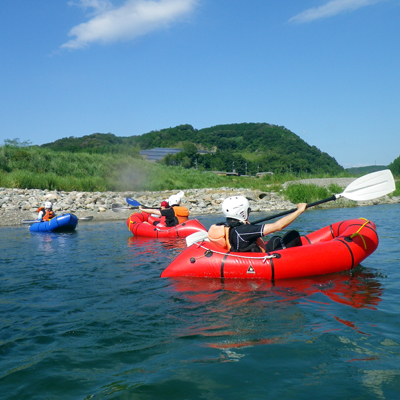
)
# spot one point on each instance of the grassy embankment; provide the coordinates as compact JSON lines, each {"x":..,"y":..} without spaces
{"x":36,"y":168}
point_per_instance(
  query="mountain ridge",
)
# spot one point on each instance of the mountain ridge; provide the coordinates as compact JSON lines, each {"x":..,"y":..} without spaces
{"x":244,"y":147}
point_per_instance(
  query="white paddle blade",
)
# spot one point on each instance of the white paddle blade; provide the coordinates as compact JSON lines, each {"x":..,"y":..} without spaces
{"x":181,"y":194}
{"x":29,"y":221}
{"x":196,"y":237}
{"x":86,"y":218}
{"x":120,"y":208}
{"x":370,"y":186}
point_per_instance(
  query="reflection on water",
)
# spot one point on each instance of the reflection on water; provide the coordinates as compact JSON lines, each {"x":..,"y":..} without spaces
{"x":48,"y":242}
{"x":148,"y":245}
{"x":85,"y":315}
{"x":358,"y":289}
{"x":239,"y":313}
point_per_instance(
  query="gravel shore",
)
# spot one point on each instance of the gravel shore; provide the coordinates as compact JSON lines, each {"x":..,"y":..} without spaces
{"x":19,"y":204}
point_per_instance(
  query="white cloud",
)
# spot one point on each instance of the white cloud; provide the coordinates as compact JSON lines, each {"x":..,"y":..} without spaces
{"x":331,"y":9}
{"x":132,"y":19}
{"x":97,"y":5}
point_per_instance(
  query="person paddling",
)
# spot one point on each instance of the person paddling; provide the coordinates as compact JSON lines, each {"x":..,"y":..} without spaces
{"x":181,"y":212}
{"x":173,"y":212}
{"x":239,"y":235}
{"x":46,"y":213}
{"x":164,"y":211}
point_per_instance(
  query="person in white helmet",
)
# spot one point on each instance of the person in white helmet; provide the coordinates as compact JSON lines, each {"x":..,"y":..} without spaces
{"x":181,"y":212}
{"x":164,"y":211}
{"x":240,"y":236}
{"x":172,"y":211}
{"x":46,"y":213}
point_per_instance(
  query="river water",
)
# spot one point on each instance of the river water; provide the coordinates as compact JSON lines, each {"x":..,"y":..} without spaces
{"x":85,"y":315}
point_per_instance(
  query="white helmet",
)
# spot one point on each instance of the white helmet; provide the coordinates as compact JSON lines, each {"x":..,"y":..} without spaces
{"x":236,"y":207}
{"x":48,"y":204}
{"x":174,"y":200}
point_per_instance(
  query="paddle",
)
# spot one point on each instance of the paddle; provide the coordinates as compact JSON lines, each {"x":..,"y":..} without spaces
{"x":132,"y":202}
{"x":121,"y":207}
{"x":85,"y":218}
{"x":367,"y":187}
{"x":135,"y":203}
{"x":196,"y":237}
{"x":34,"y":221}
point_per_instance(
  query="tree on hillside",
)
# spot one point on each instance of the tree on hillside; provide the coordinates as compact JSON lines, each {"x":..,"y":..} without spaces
{"x":273,"y":147}
{"x":17,"y":143}
{"x":395,"y":166}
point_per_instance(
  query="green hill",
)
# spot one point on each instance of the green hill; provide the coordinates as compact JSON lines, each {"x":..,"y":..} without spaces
{"x":365,"y":170}
{"x":246,"y":148}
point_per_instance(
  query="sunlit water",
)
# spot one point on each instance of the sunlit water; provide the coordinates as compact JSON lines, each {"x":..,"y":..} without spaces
{"x":85,"y":315}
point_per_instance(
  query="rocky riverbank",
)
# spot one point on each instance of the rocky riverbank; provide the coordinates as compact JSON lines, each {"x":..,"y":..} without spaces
{"x":19,"y":204}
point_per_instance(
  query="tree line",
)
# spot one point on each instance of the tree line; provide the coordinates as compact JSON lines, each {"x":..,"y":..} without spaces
{"x":247,"y":148}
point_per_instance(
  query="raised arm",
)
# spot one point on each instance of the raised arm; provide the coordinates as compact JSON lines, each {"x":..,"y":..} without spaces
{"x":155,"y":211}
{"x":285,"y":221}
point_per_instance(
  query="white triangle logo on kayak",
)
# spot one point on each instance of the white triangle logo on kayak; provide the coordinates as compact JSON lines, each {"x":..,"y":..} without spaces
{"x":250,"y":270}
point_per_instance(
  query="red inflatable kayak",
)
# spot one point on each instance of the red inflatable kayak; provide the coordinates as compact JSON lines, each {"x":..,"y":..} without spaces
{"x":337,"y":247}
{"x":141,"y":224}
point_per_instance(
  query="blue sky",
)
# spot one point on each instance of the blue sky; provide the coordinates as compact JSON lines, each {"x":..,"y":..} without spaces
{"x":326,"y":70}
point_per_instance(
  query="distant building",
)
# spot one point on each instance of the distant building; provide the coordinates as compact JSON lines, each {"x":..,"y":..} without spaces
{"x":158,"y":153}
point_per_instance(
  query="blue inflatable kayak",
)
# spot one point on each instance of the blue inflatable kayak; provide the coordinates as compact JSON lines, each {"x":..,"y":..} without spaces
{"x":61,"y":223}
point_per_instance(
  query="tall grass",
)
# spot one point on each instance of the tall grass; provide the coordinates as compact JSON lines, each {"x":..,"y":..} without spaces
{"x":38,"y":168}
{"x":299,"y":193}
{"x":397,"y":191}
{"x":50,"y":181}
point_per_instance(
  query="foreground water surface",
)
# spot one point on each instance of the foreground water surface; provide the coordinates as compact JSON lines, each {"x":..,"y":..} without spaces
{"x":85,"y":315}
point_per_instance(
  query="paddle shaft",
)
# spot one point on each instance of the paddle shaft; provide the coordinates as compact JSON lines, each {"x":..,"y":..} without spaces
{"x":121,"y":207}
{"x":135,"y":203}
{"x":294,"y":209}
{"x":35,"y":221}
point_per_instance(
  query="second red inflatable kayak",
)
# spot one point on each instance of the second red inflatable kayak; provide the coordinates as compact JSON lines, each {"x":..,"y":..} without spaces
{"x":141,"y":224}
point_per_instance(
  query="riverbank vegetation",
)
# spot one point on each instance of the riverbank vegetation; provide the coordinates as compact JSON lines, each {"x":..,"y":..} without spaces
{"x":33,"y":167}
{"x":300,"y":193}
{"x":104,"y":162}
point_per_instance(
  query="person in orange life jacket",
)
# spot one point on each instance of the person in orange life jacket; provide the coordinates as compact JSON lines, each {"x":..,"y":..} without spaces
{"x":45,"y":213}
{"x":172,"y":211}
{"x":164,"y":211}
{"x":181,"y":212}
{"x":243,"y":236}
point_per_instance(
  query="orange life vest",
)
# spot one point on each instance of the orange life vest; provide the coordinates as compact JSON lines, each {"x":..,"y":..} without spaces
{"x":47,"y":215}
{"x":181,"y":213}
{"x":219,"y":234}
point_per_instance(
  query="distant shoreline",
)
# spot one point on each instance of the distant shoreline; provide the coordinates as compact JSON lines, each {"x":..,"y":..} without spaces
{"x":19,"y":204}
